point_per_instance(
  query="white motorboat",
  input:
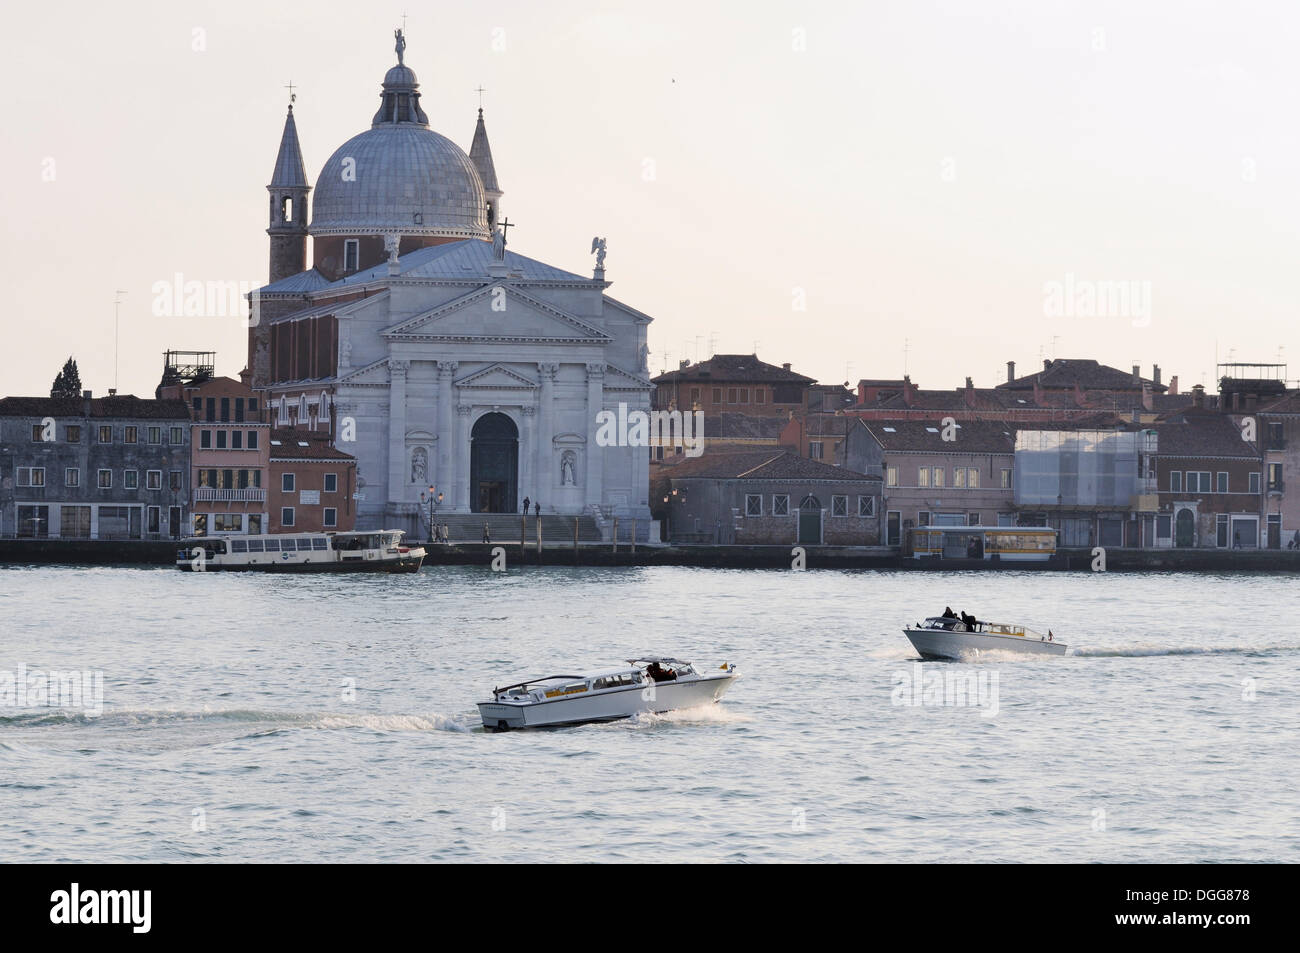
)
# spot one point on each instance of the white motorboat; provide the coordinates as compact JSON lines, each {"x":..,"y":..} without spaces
{"x":651,"y":684}
{"x":943,"y":637}
{"x":361,"y":551}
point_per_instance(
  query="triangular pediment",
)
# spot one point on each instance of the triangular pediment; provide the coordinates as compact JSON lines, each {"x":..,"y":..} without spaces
{"x":497,"y":312}
{"x":498,"y":377}
{"x":375,"y":373}
{"x":619,"y":379}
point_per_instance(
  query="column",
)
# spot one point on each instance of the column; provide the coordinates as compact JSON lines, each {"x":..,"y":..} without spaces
{"x":595,"y":456}
{"x":528,"y":476}
{"x":446,"y":448}
{"x":546,"y":480}
{"x":460,"y":458}
{"x":397,"y":472}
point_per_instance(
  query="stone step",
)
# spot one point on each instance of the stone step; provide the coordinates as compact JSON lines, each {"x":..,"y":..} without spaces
{"x":504,"y":528}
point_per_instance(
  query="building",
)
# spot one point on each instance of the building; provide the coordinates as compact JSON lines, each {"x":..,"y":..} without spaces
{"x":1210,"y":483}
{"x":941,"y":475}
{"x":448,"y":360}
{"x":733,"y":383}
{"x":311,"y":483}
{"x":94,"y":467}
{"x":768,"y":497}
{"x":1279,"y":431}
{"x":230,"y":446}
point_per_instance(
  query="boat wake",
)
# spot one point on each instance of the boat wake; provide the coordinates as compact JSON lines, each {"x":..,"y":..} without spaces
{"x":710,"y":714}
{"x":1146,"y":650}
{"x":259,"y":722}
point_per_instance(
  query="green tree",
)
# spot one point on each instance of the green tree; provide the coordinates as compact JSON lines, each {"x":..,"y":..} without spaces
{"x":68,"y":383}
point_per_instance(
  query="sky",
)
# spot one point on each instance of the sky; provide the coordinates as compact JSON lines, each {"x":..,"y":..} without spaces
{"x":861,"y":189}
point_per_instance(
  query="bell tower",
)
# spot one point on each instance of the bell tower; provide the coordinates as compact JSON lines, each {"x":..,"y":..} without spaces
{"x":288,"y":218}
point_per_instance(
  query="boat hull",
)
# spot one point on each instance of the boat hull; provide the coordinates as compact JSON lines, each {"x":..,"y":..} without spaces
{"x":607,"y":705}
{"x":945,"y":645}
{"x":404,"y":564}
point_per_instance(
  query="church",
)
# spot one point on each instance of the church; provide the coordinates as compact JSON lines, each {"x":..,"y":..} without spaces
{"x":449,"y":365}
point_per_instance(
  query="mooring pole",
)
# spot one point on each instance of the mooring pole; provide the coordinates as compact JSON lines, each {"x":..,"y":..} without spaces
{"x":615,"y":534}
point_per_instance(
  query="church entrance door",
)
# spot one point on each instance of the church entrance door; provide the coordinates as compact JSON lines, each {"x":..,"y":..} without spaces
{"x":494,"y":465}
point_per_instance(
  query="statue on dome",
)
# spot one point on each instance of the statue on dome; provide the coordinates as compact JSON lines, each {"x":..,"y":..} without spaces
{"x":498,"y":244}
{"x":401,"y":45}
{"x":392,"y":243}
{"x":598,"y":248}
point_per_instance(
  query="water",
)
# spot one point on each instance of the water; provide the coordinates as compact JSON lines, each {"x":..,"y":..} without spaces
{"x":226,"y":734}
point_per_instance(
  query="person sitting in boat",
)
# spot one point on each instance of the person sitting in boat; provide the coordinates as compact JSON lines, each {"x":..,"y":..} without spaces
{"x":948,"y":613}
{"x":970,"y":620}
{"x":660,"y":674}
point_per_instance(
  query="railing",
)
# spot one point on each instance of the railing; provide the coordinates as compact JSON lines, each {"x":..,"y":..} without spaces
{"x":247,"y":495}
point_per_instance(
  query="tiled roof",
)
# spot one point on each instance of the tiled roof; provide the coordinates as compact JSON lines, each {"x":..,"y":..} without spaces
{"x":773,"y":464}
{"x":123,"y":406}
{"x":1199,"y":432}
{"x":734,"y":367}
{"x":1086,"y":373}
{"x":463,"y":259}
{"x":301,"y":283}
{"x":290,"y":444}
{"x":974,"y":436}
{"x":1290,"y":404}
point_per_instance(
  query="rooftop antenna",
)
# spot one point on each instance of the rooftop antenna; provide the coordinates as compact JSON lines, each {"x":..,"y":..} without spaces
{"x":1055,"y":338}
{"x":756,"y":342}
{"x":117,"y":307}
{"x":907,"y":346}
{"x":713,"y":343}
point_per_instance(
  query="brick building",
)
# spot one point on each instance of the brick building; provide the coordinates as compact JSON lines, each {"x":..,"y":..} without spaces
{"x":311,"y":483}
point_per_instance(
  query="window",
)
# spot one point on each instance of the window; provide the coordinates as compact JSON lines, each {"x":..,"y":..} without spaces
{"x":131,"y":479}
{"x":200,"y":521}
{"x":129,"y":434}
{"x":1276,"y":440}
{"x":74,"y":522}
{"x":221,"y":440}
{"x":254,"y":523}
{"x":331,"y":519}
{"x":239,"y":410}
{"x":744,"y":395}
{"x":73,"y":434}
{"x":72,"y":476}
{"x":972,"y":519}
{"x":923,"y":476}
{"x":236,"y":440}
{"x":891,"y":476}
{"x":814,"y":449}
{"x":252,"y":440}
{"x":174,"y":480}
{"x":923,"y":518}
{"x":717,"y":395}
{"x":331,"y":483}
{"x":205,"y":439}
{"x":286,"y":516}
{"x":781,"y":505}
{"x":105,"y":479}
{"x":839,"y":506}
{"x":1274,"y":477}
{"x":210,"y":408}
{"x":1175,"y":481}
{"x":31,"y":476}
{"x":1221,"y":486}
{"x":34,"y":521}
{"x":760,"y":395}
{"x":893,"y":528}
{"x":938,"y":476}
{"x":1221,"y":530}
{"x":155,"y":437}
{"x":731,"y":395}
{"x":286,"y":485}
{"x":38,"y":433}
{"x":1198,"y":481}
{"x":959,"y":478}
{"x":1254,"y":480}
{"x":753,"y":504}
{"x":153,"y":479}
{"x":105,"y":434}
{"x":177,"y":437}
{"x":227,"y":522}
{"x":225,"y":409}
{"x":1006,"y":478}
{"x":351,"y":250}
{"x":866,"y":506}
{"x":152,"y":520}
{"x":695,"y":396}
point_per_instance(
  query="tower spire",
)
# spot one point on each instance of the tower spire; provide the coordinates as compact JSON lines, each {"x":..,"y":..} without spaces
{"x":480,"y":154}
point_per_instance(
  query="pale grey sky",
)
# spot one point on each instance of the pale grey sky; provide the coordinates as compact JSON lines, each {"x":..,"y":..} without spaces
{"x":911,"y":171}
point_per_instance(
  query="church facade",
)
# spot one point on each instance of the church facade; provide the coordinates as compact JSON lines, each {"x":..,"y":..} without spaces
{"x":447,"y":364}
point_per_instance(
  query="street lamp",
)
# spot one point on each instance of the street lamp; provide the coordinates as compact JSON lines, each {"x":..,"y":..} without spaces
{"x":433,"y":499}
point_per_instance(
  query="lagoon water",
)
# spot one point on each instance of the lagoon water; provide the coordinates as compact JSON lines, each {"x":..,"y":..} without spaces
{"x":278,"y":718}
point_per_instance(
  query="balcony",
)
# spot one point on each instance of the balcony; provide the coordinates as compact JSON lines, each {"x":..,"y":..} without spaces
{"x":248,"y":495}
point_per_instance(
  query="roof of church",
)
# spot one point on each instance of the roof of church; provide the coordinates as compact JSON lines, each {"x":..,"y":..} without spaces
{"x":289,"y":171}
{"x":301,"y":283}
{"x":464,"y":259}
{"x":776,"y":463}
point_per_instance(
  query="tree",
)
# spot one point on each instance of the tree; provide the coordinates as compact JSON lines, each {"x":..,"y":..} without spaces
{"x":68,"y":383}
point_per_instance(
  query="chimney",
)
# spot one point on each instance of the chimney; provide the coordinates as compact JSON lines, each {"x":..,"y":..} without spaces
{"x":1147,"y":400}
{"x":1038,"y":393}
{"x":1155,"y":374}
{"x":1173,"y":385}
{"x":85,"y":403}
{"x":683,"y":363}
{"x":970,"y":393}
{"x":1047,"y":364}
{"x":1198,"y":396}
{"x":1137,"y":375}
{"x":786,"y":365}
{"x":1011,"y":371}
{"x":907,"y":390}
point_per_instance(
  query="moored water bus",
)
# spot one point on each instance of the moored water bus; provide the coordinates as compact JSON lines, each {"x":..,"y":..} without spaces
{"x":359,"y":551}
{"x":1002,"y":543}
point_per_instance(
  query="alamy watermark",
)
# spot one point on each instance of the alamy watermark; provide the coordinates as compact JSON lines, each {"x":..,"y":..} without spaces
{"x":181,"y":298}
{"x":52,"y":689}
{"x":953,"y":687}
{"x":654,"y":428}
{"x":1082,"y":298}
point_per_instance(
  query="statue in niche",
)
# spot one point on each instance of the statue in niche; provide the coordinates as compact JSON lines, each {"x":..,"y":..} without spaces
{"x":419,"y":466}
{"x":568,"y":468}
{"x":644,"y":363}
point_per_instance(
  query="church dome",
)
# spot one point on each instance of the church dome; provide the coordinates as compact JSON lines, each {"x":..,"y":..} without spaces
{"x":399,"y":176}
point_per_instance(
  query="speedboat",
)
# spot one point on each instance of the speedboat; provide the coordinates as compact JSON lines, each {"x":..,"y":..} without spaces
{"x":651,"y":684}
{"x":943,"y":637}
